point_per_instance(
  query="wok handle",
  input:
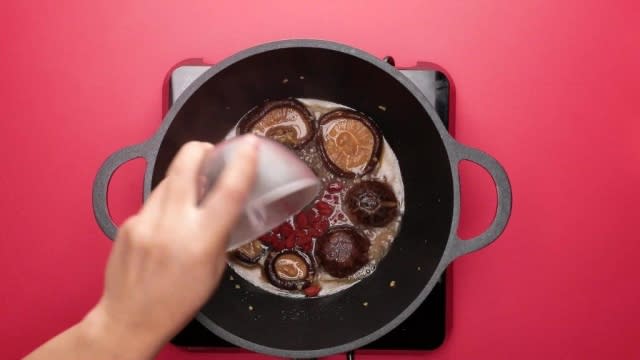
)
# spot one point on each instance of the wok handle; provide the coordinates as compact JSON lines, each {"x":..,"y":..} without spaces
{"x":101,"y":184}
{"x":503,"y":210}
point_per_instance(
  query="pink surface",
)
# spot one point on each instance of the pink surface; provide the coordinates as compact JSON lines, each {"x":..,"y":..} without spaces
{"x":549,"y":88}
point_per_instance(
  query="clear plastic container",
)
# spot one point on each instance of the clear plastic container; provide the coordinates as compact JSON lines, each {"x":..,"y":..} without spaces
{"x":284,"y":185}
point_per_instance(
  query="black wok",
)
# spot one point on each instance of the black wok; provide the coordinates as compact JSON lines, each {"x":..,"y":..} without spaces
{"x":428,"y":157}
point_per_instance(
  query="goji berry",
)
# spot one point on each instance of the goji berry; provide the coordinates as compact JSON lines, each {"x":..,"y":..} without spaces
{"x":321,"y":226}
{"x":278,"y":245}
{"x":290,"y":242}
{"x":321,"y":205}
{"x":301,"y":220}
{"x":312,"y":290}
{"x":268,"y":239}
{"x":301,"y":234}
{"x":285,"y":229}
{"x":312,"y":220}
{"x":316,"y":219}
{"x":305,"y":244}
{"x":313,"y":232}
{"x":324,"y":208}
{"x":307,"y":247}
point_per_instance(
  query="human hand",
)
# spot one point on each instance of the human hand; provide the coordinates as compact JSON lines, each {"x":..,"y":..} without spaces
{"x":168,"y":259}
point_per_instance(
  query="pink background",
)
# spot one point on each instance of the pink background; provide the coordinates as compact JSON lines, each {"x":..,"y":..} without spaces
{"x":549,"y":88}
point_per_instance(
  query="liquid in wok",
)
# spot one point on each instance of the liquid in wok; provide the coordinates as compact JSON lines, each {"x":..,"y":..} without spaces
{"x":340,"y":238}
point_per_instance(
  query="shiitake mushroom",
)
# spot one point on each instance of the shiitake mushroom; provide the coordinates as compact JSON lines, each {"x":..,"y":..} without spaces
{"x":249,"y":254}
{"x":289,"y":269}
{"x":370,"y":203}
{"x":342,"y":251}
{"x":350,"y":143}
{"x":287,"y":121}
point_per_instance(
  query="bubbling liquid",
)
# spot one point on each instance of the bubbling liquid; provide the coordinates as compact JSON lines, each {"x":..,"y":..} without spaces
{"x":381,"y":239}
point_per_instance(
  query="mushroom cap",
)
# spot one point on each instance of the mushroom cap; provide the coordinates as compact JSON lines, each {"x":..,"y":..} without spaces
{"x":350,"y":142}
{"x":289,"y":269}
{"x":370,"y":203}
{"x":286,"y":121}
{"x":342,"y":251}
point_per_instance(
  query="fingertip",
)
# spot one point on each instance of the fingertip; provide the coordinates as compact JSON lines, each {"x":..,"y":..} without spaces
{"x":252,"y":143}
{"x":249,"y":144}
{"x":251,"y":140}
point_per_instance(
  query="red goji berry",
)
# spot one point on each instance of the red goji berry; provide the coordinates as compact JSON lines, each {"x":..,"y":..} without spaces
{"x":300,"y":234}
{"x":306,"y":242}
{"x":278,"y":245}
{"x":268,"y":239}
{"x":321,"y":226}
{"x":290,"y":242}
{"x":300,"y":220}
{"x":285,"y":229}
{"x":324,"y":208}
{"x":313,"y":232}
{"x":312,"y":291}
{"x":322,"y":205}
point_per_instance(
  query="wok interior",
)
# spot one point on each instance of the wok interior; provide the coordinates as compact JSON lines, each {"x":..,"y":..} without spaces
{"x":308,"y":72}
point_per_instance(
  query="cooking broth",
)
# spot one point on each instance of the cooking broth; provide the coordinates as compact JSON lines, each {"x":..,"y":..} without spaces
{"x":381,"y":238}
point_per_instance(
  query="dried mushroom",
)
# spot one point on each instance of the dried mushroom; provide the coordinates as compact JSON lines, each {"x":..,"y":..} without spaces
{"x":289,"y":269}
{"x":371,"y":203}
{"x":249,"y":253}
{"x":342,"y":251}
{"x":285,"y":121}
{"x":350,"y":143}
